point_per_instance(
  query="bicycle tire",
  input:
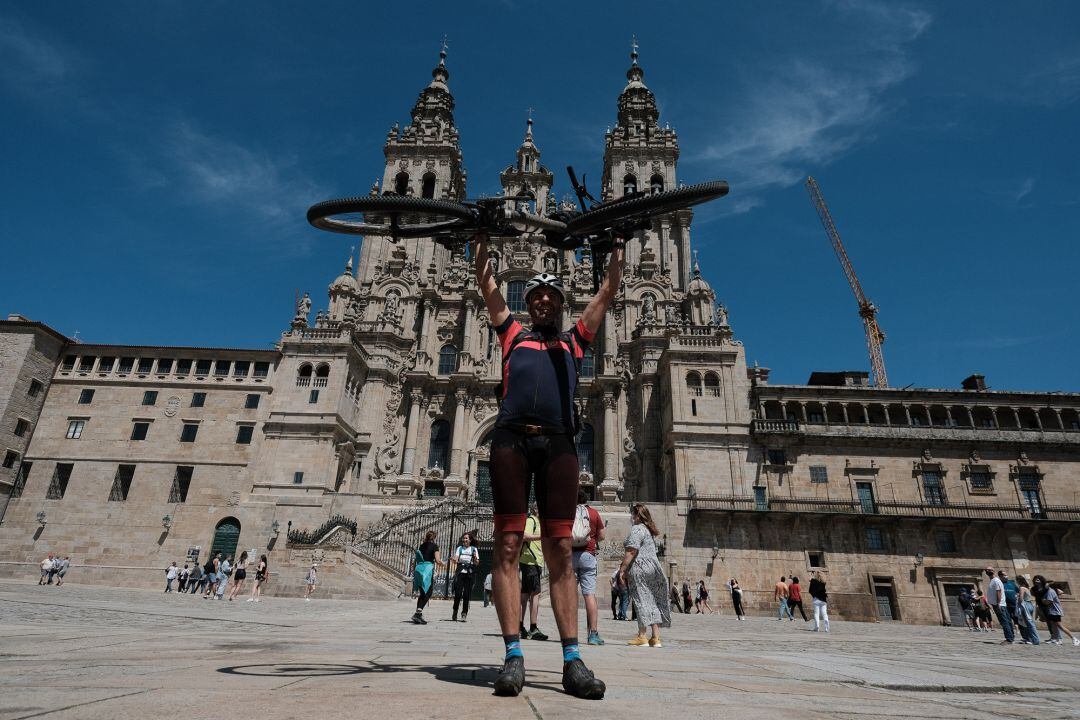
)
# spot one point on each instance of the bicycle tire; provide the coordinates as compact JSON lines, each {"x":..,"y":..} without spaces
{"x":321,"y":215}
{"x":602,"y":217}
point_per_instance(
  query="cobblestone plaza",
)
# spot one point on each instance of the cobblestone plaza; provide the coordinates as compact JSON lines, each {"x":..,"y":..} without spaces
{"x":94,"y":652}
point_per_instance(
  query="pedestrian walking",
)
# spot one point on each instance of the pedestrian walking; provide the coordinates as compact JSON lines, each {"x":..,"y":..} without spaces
{"x":310,"y":581}
{"x":61,"y":569}
{"x":224,"y":573}
{"x":795,"y":599}
{"x":1050,"y":603}
{"x":585,"y":537}
{"x":701,"y":600}
{"x":620,"y":596}
{"x":780,"y":595}
{"x":686,"y":596}
{"x":531,"y":566}
{"x":260,"y":577}
{"x":196,"y":579}
{"x":995,"y":598}
{"x":171,"y":573}
{"x":736,"y":598}
{"x":427,"y":557}
{"x":466,"y":558}
{"x":820,"y":601}
{"x":964,"y":600}
{"x":54,"y":567}
{"x":644,"y":575}
{"x":240,"y":575}
{"x":182,"y":579}
{"x":1025,"y":612}
{"x":46,"y":569}
{"x":487,"y":589}
{"x":210,"y":575}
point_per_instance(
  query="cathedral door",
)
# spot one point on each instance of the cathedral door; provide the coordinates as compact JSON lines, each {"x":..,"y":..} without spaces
{"x":226,"y":537}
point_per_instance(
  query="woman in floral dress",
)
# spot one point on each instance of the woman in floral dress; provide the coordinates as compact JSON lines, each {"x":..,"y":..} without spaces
{"x":642,"y":570}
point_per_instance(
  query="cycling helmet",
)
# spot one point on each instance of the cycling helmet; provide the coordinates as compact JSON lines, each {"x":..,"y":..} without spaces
{"x":545,"y":280}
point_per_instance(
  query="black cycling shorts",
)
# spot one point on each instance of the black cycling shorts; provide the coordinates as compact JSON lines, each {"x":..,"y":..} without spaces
{"x":550,"y":462}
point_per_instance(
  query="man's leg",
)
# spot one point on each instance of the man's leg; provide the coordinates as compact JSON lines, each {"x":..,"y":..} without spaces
{"x":505,"y":581}
{"x":1006,"y":623}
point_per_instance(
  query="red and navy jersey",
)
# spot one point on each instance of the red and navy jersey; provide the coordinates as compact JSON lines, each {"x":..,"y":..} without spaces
{"x":540,"y":373}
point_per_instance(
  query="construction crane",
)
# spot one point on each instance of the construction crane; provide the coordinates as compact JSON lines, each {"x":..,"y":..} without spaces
{"x":867,"y":311}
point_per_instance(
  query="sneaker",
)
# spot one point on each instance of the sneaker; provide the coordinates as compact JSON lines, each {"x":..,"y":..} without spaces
{"x":655,"y":642}
{"x":418,"y":619}
{"x":595,"y":639}
{"x":537,"y":635}
{"x":638,"y":641}
{"x":523,"y":633}
{"x":463,"y":616}
{"x":454,"y":618}
{"x":511,"y":678}
{"x":1076,"y":642}
{"x":578,"y":680}
{"x":305,"y":599}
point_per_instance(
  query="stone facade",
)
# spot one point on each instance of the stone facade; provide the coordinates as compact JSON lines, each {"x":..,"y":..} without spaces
{"x":387,"y":396}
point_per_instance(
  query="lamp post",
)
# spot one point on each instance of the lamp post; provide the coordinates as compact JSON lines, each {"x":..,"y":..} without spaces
{"x":41,"y":518}
{"x":166,"y":522}
{"x":275,"y":528}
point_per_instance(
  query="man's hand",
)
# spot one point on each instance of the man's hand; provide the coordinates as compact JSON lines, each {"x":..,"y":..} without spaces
{"x":486,"y":283}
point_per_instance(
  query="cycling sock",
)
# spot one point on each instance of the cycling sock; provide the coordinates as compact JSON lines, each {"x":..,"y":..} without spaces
{"x":570,"y":649}
{"x":532,"y":628}
{"x":513,"y":646}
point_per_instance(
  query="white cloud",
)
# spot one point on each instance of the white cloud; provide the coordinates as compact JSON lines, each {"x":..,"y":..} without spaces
{"x":805,"y":113}
{"x":29,"y":61}
{"x":1025,"y":188}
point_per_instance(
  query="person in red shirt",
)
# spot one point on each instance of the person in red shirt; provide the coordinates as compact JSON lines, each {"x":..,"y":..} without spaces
{"x":795,"y":599}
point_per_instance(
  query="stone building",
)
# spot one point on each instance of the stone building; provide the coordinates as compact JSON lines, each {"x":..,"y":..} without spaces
{"x":381,"y":404}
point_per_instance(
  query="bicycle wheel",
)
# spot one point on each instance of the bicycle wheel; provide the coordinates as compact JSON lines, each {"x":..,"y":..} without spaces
{"x":604,"y":216}
{"x":351,"y":215}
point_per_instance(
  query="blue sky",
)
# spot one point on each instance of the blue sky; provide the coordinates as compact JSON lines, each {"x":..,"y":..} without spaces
{"x":159,"y":157}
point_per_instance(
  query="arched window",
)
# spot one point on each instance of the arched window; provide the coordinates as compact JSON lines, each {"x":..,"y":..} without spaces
{"x":712,"y":384}
{"x":303,"y":375}
{"x":588,"y":364}
{"x":401,"y":183}
{"x":448,"y":359}
{"x":629,"y":185}
{"x":656,"y":184}
{"x":584,"y":444}
{"x":693,"y":383}
{"x":428,"y":190}
{"x":515,"y":296}
{"x":321,"y":374}
{"x":439,"y":447}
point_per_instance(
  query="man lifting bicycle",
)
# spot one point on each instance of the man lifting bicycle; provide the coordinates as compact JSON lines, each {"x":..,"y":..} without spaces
{"x":534,"y":438}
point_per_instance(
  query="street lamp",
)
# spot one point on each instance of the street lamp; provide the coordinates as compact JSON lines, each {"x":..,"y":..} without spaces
{"x":166,"y":522}
{"x":919,"y":559}
{"x":41,"y":518}
{"x":275,"y":528}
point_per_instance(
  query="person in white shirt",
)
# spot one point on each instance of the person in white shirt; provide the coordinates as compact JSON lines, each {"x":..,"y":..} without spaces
{"x":467,"y":559}
{"x":170,"y":576}
{"x":487,"y":589}
{"x":46,"y":570}
{"x":995,"y":598}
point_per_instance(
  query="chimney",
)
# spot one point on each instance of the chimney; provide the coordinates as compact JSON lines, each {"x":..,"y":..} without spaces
{"x":974,"y":382}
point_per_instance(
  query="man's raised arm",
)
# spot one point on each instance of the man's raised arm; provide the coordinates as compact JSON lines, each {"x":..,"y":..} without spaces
{"x":485,"y":283}
{"x":597,"y":307}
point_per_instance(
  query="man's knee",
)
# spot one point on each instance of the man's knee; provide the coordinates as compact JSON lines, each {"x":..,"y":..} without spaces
{"x":507,"y":548}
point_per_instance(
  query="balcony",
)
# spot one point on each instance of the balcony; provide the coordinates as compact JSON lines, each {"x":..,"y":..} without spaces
{"x":817,"y":506}
{"x":783,"y":427}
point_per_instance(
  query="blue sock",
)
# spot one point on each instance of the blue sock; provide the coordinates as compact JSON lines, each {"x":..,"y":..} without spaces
{"x":570,"y":650}
{"x":513,"y":646}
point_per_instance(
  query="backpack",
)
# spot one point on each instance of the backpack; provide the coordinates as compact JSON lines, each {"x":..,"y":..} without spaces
{"x":582,"y":529}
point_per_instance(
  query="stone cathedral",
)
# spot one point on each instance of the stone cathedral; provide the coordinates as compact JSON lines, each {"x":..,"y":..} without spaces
{"x":376,"y":410}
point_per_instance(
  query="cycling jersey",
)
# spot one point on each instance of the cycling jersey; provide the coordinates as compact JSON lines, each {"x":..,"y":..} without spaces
{"x":540,"y":373}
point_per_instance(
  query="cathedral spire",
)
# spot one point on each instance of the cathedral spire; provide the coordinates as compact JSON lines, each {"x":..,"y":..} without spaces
{"x":635,"y":74}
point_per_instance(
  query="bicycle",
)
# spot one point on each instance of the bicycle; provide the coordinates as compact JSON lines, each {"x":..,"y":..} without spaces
{"x":597,"y":225}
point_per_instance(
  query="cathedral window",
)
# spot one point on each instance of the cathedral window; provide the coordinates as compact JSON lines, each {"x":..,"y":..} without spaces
{"x":198,"y":399}
{"x":303,"y":375}
{"x":693,"y":383}
{"x":656,"y":184}
{"x":61,"y":477}
{"x":439,"y":446}
{"x":240,"y":368}
{"x":183,"y":367}
{"x":262,"y":369}
{"x":629,"y":185}
{"x":712,"y":384}
{"x":181,"y":482}
{"x":252,"y":401}
{"x":428,"y":187}
{"x":401,"y":183}
{"x":322,"y":373}
{"x":585,"y":448}
{"x":244,"y":433}
{"x":188,"y":433}
{"x":146,"y":366}
{"x":588,"y":364}
{"x":515,"y":296}
{"x":448,"y":358}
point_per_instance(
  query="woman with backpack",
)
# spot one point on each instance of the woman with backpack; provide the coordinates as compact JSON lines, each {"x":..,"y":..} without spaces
{"x":466,"y":558}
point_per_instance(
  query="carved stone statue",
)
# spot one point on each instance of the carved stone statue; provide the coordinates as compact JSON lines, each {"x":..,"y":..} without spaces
{"x":303,"y":308}
{"x":721,"y":314}
{"x":494,"y":260}
{"x":551,"y":263}
{"x":391,"y":304}
{"x":648,"y":309}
